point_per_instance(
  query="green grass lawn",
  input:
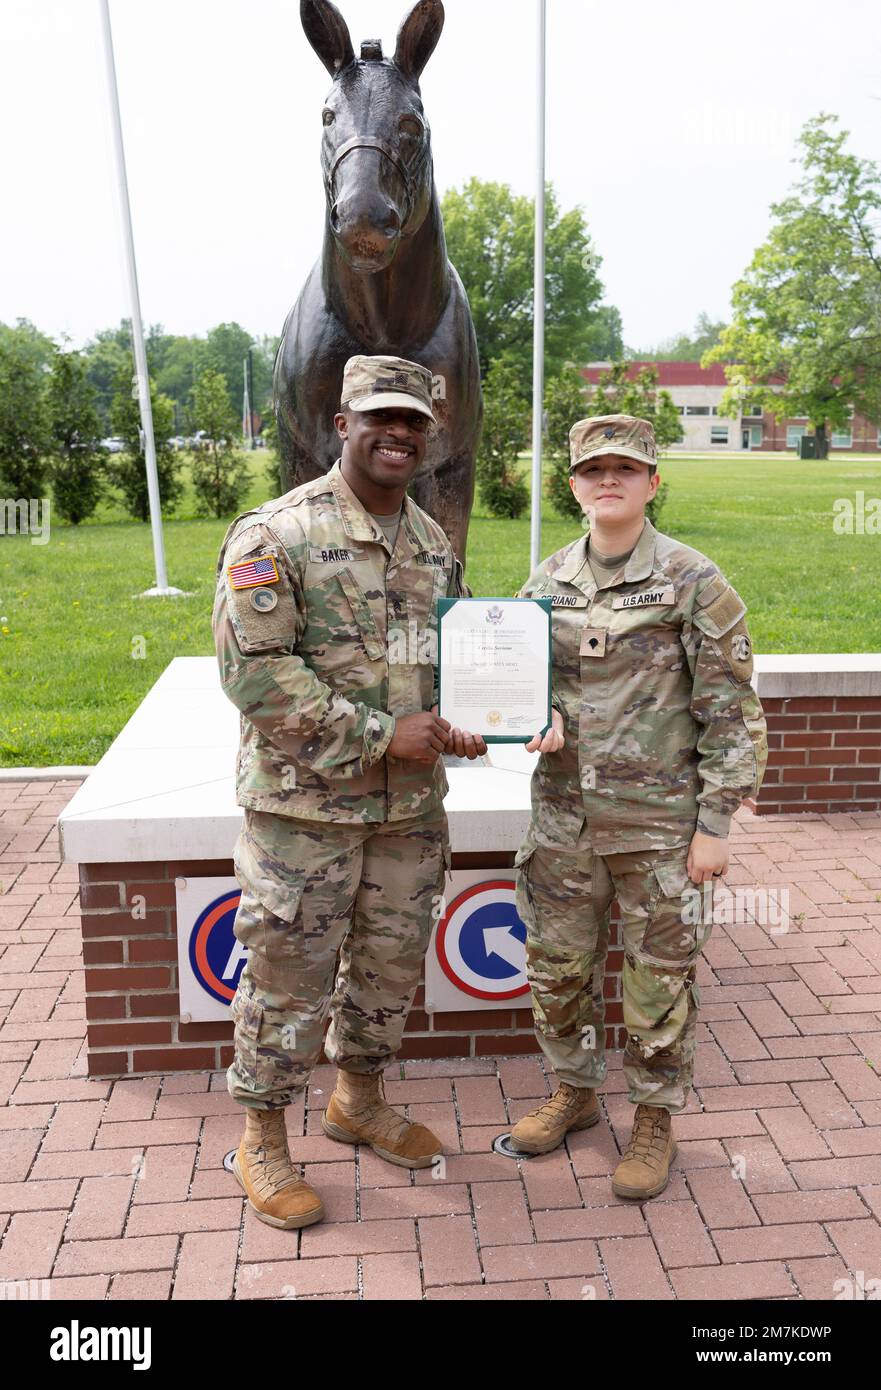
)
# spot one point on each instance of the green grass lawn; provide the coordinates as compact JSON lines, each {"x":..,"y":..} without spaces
{"x":70,"y":616}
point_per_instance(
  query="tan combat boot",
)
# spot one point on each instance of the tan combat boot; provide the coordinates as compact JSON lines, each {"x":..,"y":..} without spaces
{"x":359,"y":1114}
{"x":276,"y":1192}
{"x":570,"y":1107}
{"x":644,"y":1171}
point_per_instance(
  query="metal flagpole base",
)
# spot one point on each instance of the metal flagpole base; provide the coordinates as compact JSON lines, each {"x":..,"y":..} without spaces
{"x":164,"y":593}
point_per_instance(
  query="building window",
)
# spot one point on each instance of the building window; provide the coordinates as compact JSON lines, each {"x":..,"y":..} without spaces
{"x":680,"y":410}
{"x":793,"y":434}
{"x":755,"y":436}
{"x":879,"y":436}
{"x":842,"y":439}
{"x":754,"y":410}
{"x":697,"y":410}
{"x":718,"y":434}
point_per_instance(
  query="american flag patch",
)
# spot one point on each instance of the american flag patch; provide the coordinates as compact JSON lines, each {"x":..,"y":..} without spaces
{"x":252,"y":573}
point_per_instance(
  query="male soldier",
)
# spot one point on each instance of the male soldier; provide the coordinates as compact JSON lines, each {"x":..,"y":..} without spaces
{"x":325,"y":628}
{"x":657,"y":739}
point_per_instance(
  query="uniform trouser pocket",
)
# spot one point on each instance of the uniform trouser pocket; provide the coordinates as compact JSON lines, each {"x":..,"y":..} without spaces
{"x":298,"y":889}
{"x":273,"y":1055}
{"x":563,"y":901}
{"x":666,"y":921}
{"x":398,"y":900}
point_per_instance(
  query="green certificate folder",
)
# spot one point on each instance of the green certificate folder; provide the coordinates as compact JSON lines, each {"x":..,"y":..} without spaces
{"x":494,"y":666}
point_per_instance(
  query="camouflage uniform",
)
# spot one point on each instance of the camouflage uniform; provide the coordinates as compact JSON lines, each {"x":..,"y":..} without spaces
{"x":664,"y":736}
{"x":324,"y":634}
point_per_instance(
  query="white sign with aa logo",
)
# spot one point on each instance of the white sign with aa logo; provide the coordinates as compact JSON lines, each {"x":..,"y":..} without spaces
{"x":210,"y":959}
{"x":477,"y":956}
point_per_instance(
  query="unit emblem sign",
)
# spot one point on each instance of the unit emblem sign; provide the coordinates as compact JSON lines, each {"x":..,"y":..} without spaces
{"x":477,"y":957}
{"x":210,"y":959}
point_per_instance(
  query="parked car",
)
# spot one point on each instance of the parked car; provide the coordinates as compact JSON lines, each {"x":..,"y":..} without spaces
{"x":177,"y":441}
{"x":114,"y":445}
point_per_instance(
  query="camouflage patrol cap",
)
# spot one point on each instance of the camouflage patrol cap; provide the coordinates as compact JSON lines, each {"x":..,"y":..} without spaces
{"x":613,"y":434}
{"x":378,"y":383}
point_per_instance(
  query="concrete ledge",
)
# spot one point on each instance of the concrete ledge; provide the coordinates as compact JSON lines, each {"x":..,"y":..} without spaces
{"x":818,"y":674}
{"x":44,"y":774}
{"x":165,"y":789}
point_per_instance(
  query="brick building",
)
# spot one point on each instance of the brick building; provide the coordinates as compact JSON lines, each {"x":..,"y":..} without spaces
{"x":697,"y":392}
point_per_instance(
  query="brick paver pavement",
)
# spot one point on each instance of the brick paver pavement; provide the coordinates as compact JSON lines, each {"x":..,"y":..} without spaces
{"x":117,"y":1190}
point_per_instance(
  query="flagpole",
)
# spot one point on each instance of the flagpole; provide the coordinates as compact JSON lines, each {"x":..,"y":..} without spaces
{"x":538,"y":342}
{"x":142,"y":380}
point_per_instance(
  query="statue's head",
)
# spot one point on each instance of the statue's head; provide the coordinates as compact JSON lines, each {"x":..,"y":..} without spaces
{"x":376,"y":151}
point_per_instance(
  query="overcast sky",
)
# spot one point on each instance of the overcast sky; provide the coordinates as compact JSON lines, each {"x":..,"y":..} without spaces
{"x":672,"y":125}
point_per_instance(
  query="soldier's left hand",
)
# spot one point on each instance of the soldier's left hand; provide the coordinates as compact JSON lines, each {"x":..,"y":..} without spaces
{"x":553,"y":740}
{"x":465,"y":745}
{"x":707,"y":858}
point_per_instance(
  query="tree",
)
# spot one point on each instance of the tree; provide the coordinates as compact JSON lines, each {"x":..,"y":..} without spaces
{"x":128,"y":470}
{"x":31,"y":343}
{"x":806,"y":333}
{"x":490,"y":239}
{"x":220,"y":475}
{"x":111,"y":350}
{"x":620,"y":391}
{"x":182,"y":364}
{"x":565,"y":402}
{"x":77,"y":461}
{"x":24,"y":416}
{"x":505,"y":426}
{"x":685,"y":347}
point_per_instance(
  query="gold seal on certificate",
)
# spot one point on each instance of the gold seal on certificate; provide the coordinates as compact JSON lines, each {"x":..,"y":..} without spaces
{"x":495,"y":666}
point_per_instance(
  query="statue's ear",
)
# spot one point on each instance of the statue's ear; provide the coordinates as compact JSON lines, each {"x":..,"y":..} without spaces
{"x":418,"y":36}
{"x":328,"y":34}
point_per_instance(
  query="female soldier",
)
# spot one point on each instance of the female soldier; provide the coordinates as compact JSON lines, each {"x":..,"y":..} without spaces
{"x":657,"y":738}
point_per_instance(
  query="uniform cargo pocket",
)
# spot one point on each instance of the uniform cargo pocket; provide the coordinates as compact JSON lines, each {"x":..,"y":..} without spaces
{"x":247,"y":1016}
{"x":265,"y":1043}
{"x":277,"y":886}
{"x":675,"y":911}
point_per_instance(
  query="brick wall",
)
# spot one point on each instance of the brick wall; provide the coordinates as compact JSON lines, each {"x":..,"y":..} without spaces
{"x":131,"y":982}
{"x":824,"y":755}
{"x":864,"y":433}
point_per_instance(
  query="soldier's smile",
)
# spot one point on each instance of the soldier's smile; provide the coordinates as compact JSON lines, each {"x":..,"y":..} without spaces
{"x":393,"y":453}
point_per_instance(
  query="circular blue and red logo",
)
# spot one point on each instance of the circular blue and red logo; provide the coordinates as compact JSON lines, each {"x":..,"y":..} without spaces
{"x":216,"y":957}
{"x":481,"y":942}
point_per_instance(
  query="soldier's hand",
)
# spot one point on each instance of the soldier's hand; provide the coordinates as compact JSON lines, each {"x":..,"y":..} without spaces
{"x":465,"y":745}
{"x":419,"y":738}
{"x":707,"y":858}
{"x":553,"y":740}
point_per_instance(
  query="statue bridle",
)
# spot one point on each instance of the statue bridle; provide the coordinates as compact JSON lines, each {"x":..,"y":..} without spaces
{"x":373,"y":142}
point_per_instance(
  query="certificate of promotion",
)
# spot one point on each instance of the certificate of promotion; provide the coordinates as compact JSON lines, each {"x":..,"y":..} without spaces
{"x":495,"y":666}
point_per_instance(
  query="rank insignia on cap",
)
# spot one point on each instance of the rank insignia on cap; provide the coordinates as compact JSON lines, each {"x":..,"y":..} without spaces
{"x":610,"y":433}
{"x":253,"y":574}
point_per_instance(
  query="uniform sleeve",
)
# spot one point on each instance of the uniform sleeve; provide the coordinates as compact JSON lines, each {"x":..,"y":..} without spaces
{"x":733,"y":742}
{"x":270,"y":684}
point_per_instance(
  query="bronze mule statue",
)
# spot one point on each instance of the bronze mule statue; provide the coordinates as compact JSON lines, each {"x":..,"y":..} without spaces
{"x":383,"y":283}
